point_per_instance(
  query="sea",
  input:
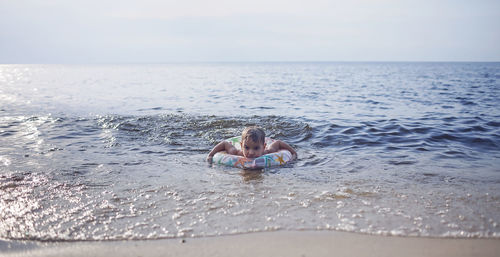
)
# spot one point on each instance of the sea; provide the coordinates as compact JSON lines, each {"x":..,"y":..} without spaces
{"x":118,"y":152}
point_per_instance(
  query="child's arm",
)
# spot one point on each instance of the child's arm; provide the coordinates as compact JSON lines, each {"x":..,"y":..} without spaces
{"x":280,"y":145}
{"x":223,"y":146}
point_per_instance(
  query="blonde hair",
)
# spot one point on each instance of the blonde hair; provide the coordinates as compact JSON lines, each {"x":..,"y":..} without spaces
{"x":253,"y":133}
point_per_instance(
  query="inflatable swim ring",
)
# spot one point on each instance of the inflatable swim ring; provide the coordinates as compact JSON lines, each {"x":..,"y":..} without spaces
{"x":267,"y":160}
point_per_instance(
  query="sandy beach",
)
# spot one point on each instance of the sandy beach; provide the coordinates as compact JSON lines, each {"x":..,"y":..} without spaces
{"x":281,"y":243}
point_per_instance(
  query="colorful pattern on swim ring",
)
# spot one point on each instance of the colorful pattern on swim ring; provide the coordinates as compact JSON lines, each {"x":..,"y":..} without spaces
{"x":267,"y":160}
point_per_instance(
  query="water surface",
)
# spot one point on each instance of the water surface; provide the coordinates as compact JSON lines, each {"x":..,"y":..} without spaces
{"x":98,"y":152}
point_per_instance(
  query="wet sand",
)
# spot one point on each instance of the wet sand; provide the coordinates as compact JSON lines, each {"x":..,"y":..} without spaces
{"x":281,"y":243}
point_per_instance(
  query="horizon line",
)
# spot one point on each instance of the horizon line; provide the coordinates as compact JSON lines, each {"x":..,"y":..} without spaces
{"x":228,"y":62}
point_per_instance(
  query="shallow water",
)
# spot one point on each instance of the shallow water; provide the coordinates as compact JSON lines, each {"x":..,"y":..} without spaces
{"x":93,"y":152}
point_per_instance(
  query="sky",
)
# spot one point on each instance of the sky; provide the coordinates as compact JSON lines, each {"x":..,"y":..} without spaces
{"x":161,"y":31}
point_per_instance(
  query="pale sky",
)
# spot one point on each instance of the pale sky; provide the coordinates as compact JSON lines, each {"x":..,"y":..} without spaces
{"x":153,"y":31}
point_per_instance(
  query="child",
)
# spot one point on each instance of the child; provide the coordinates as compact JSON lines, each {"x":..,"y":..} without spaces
{"x":252,"y":145}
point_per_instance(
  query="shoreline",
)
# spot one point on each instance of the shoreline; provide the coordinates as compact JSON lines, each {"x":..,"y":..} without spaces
{"x":277,"y":243}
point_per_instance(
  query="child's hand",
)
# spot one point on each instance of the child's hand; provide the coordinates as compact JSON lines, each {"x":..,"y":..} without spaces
{"x":209,"y":159}
{"x":294,"y":156}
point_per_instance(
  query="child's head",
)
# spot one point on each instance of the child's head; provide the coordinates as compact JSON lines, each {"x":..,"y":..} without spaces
{"x":253,"y":142}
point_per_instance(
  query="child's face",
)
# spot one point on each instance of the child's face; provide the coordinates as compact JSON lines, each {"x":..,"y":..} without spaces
{"x":252,"y":149}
